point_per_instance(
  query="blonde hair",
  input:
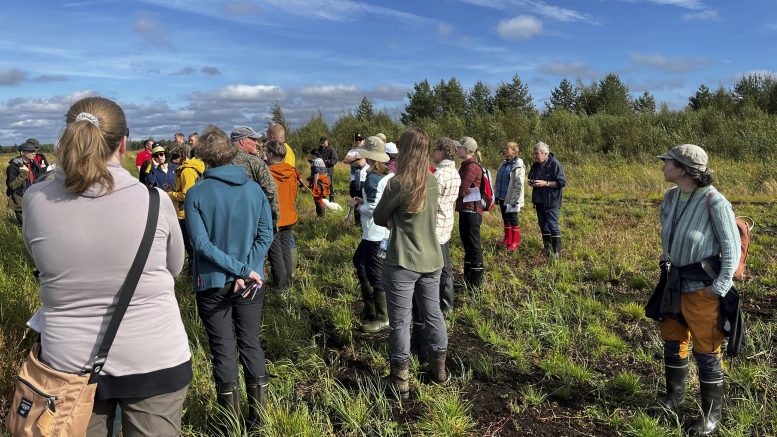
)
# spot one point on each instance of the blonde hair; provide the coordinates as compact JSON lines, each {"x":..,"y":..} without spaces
{"x":84,"y":147}
{"x":413,"y":167}
{"x":214,"y":147}
{"x":512,"y":145}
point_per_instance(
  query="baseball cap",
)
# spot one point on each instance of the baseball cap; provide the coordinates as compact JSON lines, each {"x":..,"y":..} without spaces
{"x":468,"y":143}
{"x":157,"y":148}
{"x":33,"y":141}
{"x":27,"y":147}
{"x":358,"y":137}
{"x":241,"y":132}
{"x":391,"y":148}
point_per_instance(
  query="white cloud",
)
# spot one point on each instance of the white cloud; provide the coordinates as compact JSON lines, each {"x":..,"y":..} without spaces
{"x":671,"y":65}
{"x":520,"y":27}
{"x":687,"y":4}
{"x":706,"y":15}
{"x":538,"y":7}
{"x":228,"y":106}
{"x":445,"y":29}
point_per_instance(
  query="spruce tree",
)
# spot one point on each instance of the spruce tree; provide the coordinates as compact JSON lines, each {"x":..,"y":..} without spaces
{"x":645,"y":103}
{"x":563,"y":97}
{"x":422,"y":104}
{"x":514,"y":96}
{"x":479,"y":100}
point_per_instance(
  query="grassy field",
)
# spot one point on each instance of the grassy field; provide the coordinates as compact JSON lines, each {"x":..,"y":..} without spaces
{"x":544,"y":349}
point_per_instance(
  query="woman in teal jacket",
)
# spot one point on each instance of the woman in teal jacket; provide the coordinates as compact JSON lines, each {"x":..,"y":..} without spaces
{"x":230,"y":225}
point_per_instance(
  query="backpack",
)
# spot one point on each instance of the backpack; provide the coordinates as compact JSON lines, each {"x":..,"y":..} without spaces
{"x":744,"y":226}
{"x":486,"y":190}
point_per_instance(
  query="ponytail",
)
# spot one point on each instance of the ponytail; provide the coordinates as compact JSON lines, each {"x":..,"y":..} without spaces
{"x":94,"y":130}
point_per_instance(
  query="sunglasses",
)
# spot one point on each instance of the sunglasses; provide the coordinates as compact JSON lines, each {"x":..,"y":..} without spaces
{"x":157,"y":155}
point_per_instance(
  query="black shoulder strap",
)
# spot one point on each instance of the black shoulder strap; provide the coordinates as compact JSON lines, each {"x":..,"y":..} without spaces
{"x":130,"y":283}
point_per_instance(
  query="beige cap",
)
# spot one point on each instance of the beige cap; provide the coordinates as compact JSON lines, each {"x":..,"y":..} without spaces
{"x":468,"y":143}
{"x":374,"y":149}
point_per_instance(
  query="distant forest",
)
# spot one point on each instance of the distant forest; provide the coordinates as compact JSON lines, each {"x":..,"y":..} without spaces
{"x":579,"y":119}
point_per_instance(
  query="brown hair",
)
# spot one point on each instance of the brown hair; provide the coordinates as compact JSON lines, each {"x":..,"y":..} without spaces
{"x":447,"y":146}
{"x":214,"y":147}
{"x":413,"y":167}
{"x":84,"y":146}
{"x":276,"y":148}
{"x":378,"y":167}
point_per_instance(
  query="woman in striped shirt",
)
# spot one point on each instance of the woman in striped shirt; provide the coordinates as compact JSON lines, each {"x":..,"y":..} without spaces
{"x":698,"y":230}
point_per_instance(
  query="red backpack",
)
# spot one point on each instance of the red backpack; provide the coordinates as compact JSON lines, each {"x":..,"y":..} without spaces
{"x":486,"y":190}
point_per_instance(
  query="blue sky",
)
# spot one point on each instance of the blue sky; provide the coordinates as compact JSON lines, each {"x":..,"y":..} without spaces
{"x":177,"y":65}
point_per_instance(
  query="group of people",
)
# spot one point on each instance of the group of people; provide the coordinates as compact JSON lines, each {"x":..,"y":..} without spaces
{"x":232,"y":204}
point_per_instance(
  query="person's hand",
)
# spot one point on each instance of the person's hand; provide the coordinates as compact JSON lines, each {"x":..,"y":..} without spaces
{"x":255,"y":276}
{"x":239,"y":285}
{"x":709,"y":293}
{"x":355,"y":202}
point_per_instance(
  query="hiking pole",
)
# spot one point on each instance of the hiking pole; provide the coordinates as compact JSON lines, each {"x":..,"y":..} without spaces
{"x":348,"y":215}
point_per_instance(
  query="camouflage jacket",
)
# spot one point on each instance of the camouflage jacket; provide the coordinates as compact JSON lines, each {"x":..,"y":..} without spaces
{"x":257,"y":170}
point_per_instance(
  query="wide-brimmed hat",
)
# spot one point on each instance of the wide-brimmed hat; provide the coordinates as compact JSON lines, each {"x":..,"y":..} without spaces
{"x":689,"y":155}
{"x":374,"y":149}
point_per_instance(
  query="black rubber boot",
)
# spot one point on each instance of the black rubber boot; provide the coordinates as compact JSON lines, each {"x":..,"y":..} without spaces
{"x":435,"y":366}
{"x":368,"y":312}
{"x":711,"y":406}
{"x":676,"y":379}
{"x":476,"y":276}
{"x":228,"y":399}
{"x":381,"y":313}
{"x":332,"y":198}
{"x":399,"y":378}
{"x":555,"y":245}
{"x":446,"y":295}
{"x":467,"y":271}
{"x":546,"y":245}
{"x":256,"y":391}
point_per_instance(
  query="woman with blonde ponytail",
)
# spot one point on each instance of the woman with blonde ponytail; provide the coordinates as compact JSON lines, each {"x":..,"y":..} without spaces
{"x":413,"y":260}
{"x":83,"y":228}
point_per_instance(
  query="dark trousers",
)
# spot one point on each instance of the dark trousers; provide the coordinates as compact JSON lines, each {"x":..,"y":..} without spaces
{"x":447,"y":269}
{"x":187,"y":243}
{"x":231,"y":321}
{"x":280,"y":257}
{"x":18,"y":215}
{"x":368,"y":264}
{"x":548,"y":220}
{"x":509,"y":218}
{"x":469,"y":230}
{"x":355,"y":190}
{"x":330,"y":171}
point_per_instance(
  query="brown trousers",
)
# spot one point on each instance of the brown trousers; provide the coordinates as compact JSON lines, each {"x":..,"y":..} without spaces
{"x":700,"y":312}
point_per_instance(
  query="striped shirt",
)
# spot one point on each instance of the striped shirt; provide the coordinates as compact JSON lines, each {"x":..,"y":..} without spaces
{"x":449,"y":181}
{"x":700,"y":233}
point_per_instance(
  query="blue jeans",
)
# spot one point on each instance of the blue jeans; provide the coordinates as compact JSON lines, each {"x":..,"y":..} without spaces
{"x":548,"y":220}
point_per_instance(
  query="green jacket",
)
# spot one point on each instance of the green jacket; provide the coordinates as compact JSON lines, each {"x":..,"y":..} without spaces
{"x":413,"y":243}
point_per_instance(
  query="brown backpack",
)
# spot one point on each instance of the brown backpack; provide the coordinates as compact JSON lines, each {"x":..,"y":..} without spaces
{"x":744,"y":226}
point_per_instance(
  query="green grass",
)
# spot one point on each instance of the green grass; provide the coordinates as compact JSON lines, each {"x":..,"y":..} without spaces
{"x":570,"y":333}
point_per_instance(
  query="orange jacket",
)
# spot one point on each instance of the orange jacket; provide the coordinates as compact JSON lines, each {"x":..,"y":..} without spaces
{"x":285,"y":177}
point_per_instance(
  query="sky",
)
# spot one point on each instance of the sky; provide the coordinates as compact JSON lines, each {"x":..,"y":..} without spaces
{"x":179,"y":65}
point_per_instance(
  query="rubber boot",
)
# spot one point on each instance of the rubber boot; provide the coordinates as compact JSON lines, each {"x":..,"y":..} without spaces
{"x":555,"y":242}
{"x":332,"y":198}
{"x":676,"y":379}
{"x":446,"y":295}
{"x":546,"y":249}
{"x":320,"y":210}
{"x":381,"y":313}
{"x":467,"y":273}
{"x":515,"y":238}
{"x":256,"y":390}
{"x":228,"y":399}
{"x":435,"y":366}
{"x":508,"y":239}
{"x":368,"y":312}
{"x":399,"y":379}
{"x":476,"y":276}
{"x":711,"y":406}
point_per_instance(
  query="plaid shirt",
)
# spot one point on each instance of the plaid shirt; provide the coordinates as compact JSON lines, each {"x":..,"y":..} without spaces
{"x":449,"y":181}
{"x":503,"y":178}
